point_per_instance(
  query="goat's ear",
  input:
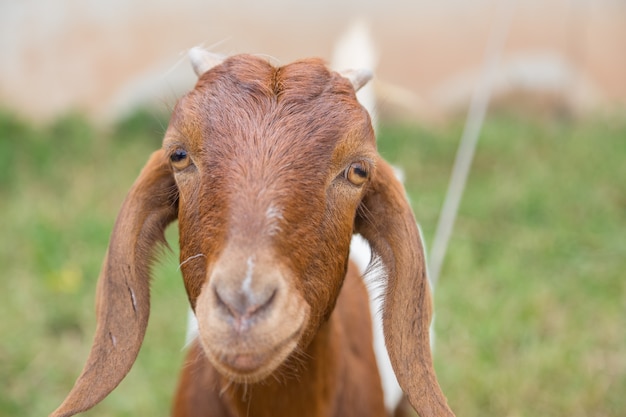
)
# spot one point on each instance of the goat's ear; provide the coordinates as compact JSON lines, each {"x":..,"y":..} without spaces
{"x":386,"y":221}
{"x":123,"y":294}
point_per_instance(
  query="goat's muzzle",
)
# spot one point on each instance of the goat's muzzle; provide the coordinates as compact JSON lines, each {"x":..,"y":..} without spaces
{"x":250,"y":314}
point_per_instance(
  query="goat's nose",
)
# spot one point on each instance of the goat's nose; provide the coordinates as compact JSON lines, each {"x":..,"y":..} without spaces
{"x":244,"y":306}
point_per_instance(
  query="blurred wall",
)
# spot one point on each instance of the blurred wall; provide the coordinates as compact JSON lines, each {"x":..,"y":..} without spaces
{"x":103,"y":58}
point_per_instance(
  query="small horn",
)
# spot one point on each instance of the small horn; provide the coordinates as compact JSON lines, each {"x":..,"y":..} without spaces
{"x":358,"y":78}
{"x":203,"y":60}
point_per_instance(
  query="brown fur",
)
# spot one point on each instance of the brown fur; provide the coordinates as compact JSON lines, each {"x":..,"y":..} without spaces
{"x":334,"y":377}
{"x":266,"y":214}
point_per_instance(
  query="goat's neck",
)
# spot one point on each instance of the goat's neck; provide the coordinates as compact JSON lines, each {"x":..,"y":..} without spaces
{"x":316,"y":383}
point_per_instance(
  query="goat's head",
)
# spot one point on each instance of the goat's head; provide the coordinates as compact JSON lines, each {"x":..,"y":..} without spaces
{"x":269,"y":172}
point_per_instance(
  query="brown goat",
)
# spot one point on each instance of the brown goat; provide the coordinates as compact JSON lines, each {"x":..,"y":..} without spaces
{"x":269,"y":172}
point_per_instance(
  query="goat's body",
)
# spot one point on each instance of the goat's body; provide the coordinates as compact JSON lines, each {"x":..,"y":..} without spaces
{"x":335,"y":376}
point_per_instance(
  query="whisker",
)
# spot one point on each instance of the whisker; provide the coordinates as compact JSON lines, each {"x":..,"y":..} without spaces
{"x":199,"y":255}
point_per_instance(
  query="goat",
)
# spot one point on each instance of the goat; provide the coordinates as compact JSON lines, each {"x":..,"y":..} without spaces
{"x":269,"y":172}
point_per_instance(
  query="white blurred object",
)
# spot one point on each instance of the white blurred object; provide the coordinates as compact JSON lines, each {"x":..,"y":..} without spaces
{"x":355,"y":50}
{"x":360,"y":253}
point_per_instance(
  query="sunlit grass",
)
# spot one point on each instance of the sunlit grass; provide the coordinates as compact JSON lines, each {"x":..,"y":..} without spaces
{"x":531,"y":304}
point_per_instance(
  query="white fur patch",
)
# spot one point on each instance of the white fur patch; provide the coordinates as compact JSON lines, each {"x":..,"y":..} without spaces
{"x":246,"y":285}
{"x":192,"y":328}
{"x":273,"y":215}
{"x":361,"y":254}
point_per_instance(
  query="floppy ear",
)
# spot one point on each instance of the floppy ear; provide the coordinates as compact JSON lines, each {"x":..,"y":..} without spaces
{"x":123,"y":294}
{"x":386,"y":221}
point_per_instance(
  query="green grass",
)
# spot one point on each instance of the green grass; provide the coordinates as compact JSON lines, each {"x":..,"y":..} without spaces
{"x":531,"y":304}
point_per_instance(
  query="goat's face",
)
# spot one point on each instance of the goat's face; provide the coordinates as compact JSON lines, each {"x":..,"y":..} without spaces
{"x":271,"y":166}
{"x":269,"y":172}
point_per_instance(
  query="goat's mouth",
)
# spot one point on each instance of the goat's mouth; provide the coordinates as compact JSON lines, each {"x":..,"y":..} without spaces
{"x":250,"y":365}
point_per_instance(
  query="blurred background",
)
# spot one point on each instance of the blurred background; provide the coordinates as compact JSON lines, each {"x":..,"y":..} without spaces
{"x":104,"y":58}
{"x":531,"y":301}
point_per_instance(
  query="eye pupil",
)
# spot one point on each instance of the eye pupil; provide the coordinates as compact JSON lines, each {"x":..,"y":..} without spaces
{"x":357,"y":173}
{"x":178,"y":155}
{"x":360,"y":172}
{"x":180,"y":160}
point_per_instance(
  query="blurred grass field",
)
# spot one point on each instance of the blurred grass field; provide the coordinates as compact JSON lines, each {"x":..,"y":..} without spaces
{"x":531,"y":304}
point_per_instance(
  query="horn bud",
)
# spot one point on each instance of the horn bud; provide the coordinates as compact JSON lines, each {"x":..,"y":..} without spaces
{"x":203,"y":60}
{"x":358,"y":78}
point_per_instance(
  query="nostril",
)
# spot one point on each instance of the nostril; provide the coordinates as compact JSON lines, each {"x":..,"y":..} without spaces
{"x":223,"y":305}
{"x":244,"y":304}
{"x":263,"y":305}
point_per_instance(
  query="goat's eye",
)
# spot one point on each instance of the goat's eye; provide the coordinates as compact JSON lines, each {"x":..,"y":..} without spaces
{"x":180,"y":159}
{"x":357,"y":173}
